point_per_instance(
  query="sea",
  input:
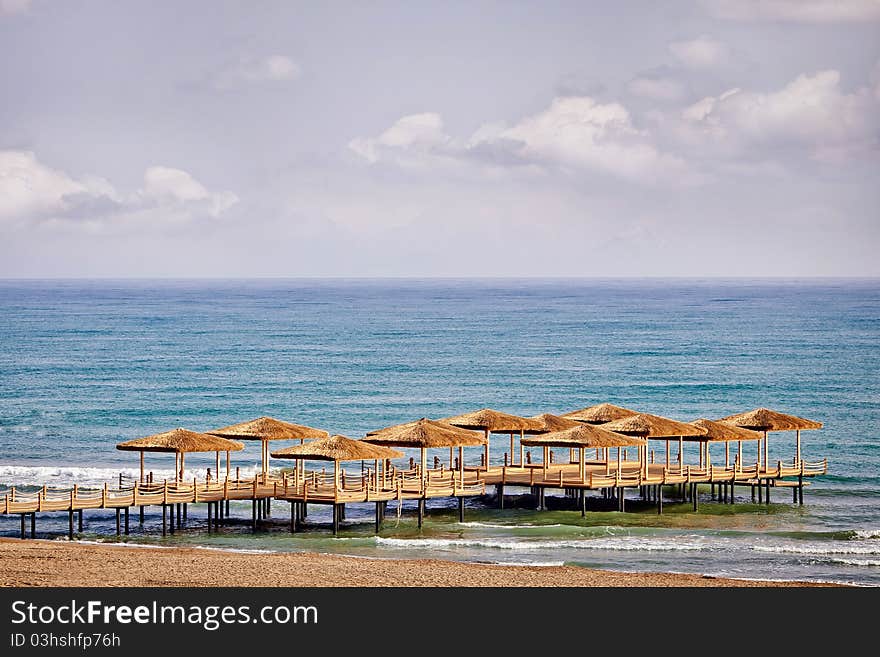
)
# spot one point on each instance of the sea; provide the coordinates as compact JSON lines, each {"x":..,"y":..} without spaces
{"x":87,"y":364}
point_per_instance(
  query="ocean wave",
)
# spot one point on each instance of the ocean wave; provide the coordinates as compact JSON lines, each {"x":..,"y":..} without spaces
{"x":623,"y":543}
{"x":866,"y":533}
{"x":492,"y":525}
{"x":41,"y":475}
{"x":868,"y":563}
{"x":816,"y":550}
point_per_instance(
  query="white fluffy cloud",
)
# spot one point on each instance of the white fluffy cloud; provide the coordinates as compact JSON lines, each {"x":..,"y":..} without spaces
{"x":662,"y":89}
{"x":811,"y":112}
{"x":31,"y":191}
{"x":14,"y":6}
{"x":416,"y":132}
{"x":704,"y":52}
{"x":803,"y":11}
{"x":572,"y":133}
{"x":250,"y":70}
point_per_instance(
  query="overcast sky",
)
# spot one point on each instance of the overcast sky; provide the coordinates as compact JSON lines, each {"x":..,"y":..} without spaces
{"x":689,"y":138}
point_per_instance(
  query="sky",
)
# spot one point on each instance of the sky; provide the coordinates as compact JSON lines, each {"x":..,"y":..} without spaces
{"x":383,"y":139}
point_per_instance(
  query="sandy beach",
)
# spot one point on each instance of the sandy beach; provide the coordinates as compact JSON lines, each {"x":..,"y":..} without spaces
{"x":57,"y":563}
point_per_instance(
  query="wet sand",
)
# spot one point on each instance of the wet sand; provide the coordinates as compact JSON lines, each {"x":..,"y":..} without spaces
{"x":58,"y":563}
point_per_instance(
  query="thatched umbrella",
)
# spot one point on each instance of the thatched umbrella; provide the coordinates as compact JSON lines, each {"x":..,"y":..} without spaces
{"x":599,"y":414}
{"x":764,"y":419}
{"x":489,"y":421}
{"x":645,"y":425}
{"x":584,"y":436}
{"x":722,"y":432}
{"x":180,"y":442}
{"x":265,"y":429}
{"x":336,"y":448}
{"x":426,"y":434}
{"x":547,"y":422}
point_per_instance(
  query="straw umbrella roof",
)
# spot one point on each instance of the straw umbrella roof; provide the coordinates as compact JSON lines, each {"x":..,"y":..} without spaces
{"x":425,"y":434}
{"x":180,"y":440}
{"x":336,"y":448}
{"x":493,"y":421}
{"x":653,"y":426}
{"x":600,"y":414}
{"x":268,"y":428}
{"x":550,"y":422}
{"x":584,"y":435}
{"x":763,"y":419}
{"x":722,"y":432}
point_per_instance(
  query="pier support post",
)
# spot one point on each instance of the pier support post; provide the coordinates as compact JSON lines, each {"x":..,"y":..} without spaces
{"x":70,"y":526}
{"x":141,"y":519}
{"x":794,"y":492}
{"x":378,"y":517}
{"x":335,"y":519}
{"x":127,"y":511}
{"x":23,"y":534}
{"x":268,"y":507}
{"x":293,"y":517}
{"x":227,"y":509}
{"x":499,"y":493}
{"x":34,"y":524}
{"x":621,"y":496}
{"x":760,"y":493}
{"x":208,"y":505}
{"x":732,"y":492}
{"x":421,"y":511}
{"x":118,"y":517}
{"x":254,"y":514}
{"x":800,"y":489}
{"x":164,"y":519}
{"x":461,"y":509}
{"x":184,"y":511}
{"x":80,"y":520}
{"x":659,"y":499}
{"x":712,"y":490}
{"x":768,"y":491}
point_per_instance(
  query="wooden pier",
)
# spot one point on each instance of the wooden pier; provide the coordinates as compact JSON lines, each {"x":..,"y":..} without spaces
{"x":300,"y":488}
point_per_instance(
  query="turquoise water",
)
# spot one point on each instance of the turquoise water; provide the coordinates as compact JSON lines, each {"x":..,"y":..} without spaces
{"x":84,"y":365}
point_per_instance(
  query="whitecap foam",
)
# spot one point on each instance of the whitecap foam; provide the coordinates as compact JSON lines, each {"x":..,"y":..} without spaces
{"x":492,"y":525}
{"x":866,"y":533}
{"x":628,"y":544}
{"x":818,"y":550}
{"x":66,"y":476}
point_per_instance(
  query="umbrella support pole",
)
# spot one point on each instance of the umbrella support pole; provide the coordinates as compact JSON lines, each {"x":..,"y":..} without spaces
{"x":461,"y":509}
{"x":70,"y":526}
{"x":80,"y":520}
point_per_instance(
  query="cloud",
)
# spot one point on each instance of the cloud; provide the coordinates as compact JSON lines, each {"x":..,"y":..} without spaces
{"x":704,"y":52}
{"x":573,"y":133}
{"x":801,"y":11}
{"x":416,"y":132}
{"x":248,"y":70}
{"x":31,"y":191}
{"x":8,"y":7}
{"x":810,"y":112}
{"x":658,"y":88}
